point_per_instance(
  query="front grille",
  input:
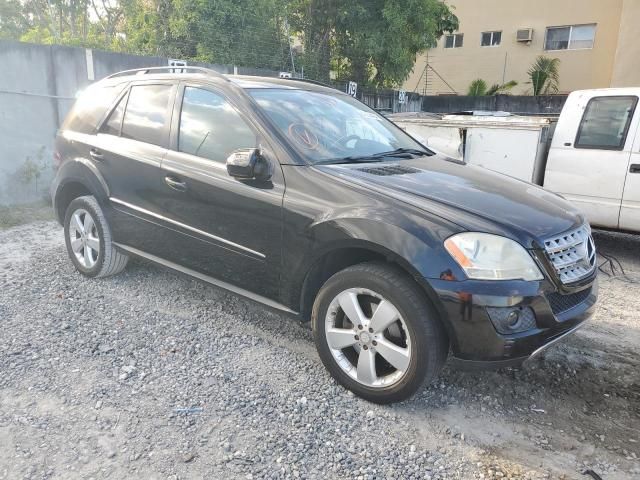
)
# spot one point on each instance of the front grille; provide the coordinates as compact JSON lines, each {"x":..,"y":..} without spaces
{"x":572,"y":254}
{"x":389,"y":170}
{"x":561,"y":303}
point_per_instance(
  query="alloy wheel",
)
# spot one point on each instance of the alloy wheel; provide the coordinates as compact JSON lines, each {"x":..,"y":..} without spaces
{"x":85,"y":241}
{"x":368,"y":337}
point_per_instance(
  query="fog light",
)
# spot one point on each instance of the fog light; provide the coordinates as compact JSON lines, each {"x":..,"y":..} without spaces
{"x":512,"y":319}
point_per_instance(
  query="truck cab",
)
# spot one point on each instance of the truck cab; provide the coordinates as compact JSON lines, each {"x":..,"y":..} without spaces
{"x":594,"y":159}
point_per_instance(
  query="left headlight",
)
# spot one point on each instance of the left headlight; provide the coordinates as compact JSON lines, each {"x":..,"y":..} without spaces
{"x":484,"y":256}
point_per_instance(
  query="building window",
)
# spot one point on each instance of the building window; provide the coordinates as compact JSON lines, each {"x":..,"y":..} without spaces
{"x":491,"y":39}
{"x":573,"y":37}
{"x":453,"y":41}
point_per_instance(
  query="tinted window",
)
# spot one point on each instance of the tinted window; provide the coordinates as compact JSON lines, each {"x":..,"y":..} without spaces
{"x":114,"y":122}
{"x":90,"y":107}
{"x":210,"y":127}
{"x":605,"y":123}
{"x":146,"y":114}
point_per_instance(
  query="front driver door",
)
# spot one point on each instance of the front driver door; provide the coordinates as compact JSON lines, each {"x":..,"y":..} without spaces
{"x":224,"y":227}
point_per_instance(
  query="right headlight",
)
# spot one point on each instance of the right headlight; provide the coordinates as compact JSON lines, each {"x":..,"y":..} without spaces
{"x":484,"y":256}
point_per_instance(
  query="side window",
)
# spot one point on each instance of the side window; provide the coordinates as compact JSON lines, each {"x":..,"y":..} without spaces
{"x":90,"y":107}
{"x":147,"y":113}
{"x":210,"y":127}
{"x":605,"y":123}
{"x":114,"y":122}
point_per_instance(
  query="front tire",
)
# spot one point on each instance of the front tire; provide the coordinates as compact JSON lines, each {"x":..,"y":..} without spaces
{"x":377,"y":333}
{"x":88,"y":239}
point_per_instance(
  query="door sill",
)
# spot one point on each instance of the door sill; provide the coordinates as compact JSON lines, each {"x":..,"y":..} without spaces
{"x":206,"y":278}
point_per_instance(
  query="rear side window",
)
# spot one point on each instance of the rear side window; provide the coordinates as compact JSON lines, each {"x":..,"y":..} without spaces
{"x":114,"y":122}
{"x":146,"y":114}
{"x":605,"y":123}
{"x":210,"y":127}
{"x":90,"y":107}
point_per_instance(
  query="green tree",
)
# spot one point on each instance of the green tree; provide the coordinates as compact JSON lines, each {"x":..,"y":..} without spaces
{"x":544,"y":75}
{"x":478,"y":88}
{"x":370,"y":41}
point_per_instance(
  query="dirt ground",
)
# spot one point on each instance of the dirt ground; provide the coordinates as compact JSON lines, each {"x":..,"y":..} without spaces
{"x":90,"y":370}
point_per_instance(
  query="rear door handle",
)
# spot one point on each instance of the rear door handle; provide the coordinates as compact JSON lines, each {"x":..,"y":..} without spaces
{"x":96,"y":154}
{"x":634,"y":168}
{"x":176,"y":184}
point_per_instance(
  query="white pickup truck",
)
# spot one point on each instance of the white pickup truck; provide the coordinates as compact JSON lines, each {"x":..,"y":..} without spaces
{"x":593,"y":158}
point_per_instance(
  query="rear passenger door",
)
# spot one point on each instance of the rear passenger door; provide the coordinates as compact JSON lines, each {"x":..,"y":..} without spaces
{"x":130,"y":146}
{"x":226,"y":228}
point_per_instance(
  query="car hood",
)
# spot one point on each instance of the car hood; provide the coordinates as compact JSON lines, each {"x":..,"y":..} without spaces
{"x":474,"y":198}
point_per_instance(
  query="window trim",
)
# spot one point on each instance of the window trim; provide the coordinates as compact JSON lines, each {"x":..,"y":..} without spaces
{"x":570,"y":27}
{"x":454,"y":35}
{"x":623,"y":141}
{"x":492,"y":32}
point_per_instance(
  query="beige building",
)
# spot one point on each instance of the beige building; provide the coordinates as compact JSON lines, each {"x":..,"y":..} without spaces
{"x":597,"y":42}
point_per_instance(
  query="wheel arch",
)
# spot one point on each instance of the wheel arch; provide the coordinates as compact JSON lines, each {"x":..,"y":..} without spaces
{"x":75,"y":179}
{"x":343,"y":256}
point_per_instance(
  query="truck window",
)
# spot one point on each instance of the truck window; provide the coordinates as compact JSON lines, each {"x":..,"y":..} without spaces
{"x":605,"y":123}
{"x":146,"y":114}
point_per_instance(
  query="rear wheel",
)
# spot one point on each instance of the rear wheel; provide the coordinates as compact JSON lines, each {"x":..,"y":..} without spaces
{"x":376,"y":332}
{"x":88,"y":239}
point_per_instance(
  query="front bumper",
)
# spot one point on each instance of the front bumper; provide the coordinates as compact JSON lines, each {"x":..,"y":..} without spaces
{"x":475,"y":341}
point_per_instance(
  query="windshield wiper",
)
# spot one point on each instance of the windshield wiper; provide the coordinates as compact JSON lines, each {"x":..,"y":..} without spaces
{"x":376,"y":157}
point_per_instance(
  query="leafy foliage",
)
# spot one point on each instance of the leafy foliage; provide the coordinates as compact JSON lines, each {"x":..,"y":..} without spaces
{"x":478,"y":88}
{"x":373,"y":42}
{"x":544,"y":75}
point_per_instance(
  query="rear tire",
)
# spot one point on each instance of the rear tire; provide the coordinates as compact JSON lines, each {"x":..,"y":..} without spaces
{"x":88,"y":239}
{"x":377,"y":310}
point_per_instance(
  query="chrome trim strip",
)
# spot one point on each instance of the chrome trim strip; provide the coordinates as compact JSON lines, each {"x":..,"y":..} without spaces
{"x":552,"y":342}
{"x":206,"y":278}
{"x":186,"y":227}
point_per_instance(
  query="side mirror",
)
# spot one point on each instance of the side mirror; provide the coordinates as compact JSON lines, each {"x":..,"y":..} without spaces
{"x":248,"y":164}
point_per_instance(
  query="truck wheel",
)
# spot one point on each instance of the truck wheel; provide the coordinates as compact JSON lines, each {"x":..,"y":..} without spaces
{"x":377,"y":333}
{"x":88,"y":238}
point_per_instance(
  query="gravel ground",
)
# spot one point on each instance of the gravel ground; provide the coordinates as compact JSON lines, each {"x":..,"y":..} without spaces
{"x":153,"y":375}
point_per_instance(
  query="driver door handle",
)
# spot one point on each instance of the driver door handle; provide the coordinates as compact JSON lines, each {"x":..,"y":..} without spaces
{"x":175,"y":183}
{"x":634,"y":168}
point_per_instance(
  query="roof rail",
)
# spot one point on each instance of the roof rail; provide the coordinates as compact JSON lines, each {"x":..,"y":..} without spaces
{"x":169,"y":69}
{"x":314,"y":82}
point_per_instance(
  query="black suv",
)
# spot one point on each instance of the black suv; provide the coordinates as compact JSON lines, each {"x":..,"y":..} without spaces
{"x":305,"y":200}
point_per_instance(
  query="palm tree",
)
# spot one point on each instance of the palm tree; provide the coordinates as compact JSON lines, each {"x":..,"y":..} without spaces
{"x":544,"y":75}
{"x":478,"y":88}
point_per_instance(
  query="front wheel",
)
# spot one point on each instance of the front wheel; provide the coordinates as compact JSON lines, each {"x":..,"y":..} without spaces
{"x":377,"y":333}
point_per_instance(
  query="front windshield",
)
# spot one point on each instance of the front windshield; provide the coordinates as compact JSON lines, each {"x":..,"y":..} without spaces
{"x":325,"y":126}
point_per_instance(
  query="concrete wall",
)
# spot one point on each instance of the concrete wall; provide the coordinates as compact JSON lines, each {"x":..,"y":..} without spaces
{"x":626,"y":69}
{"x":38,"y":84}
{"x":523,"y":105}
{"x":579,"y":69}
